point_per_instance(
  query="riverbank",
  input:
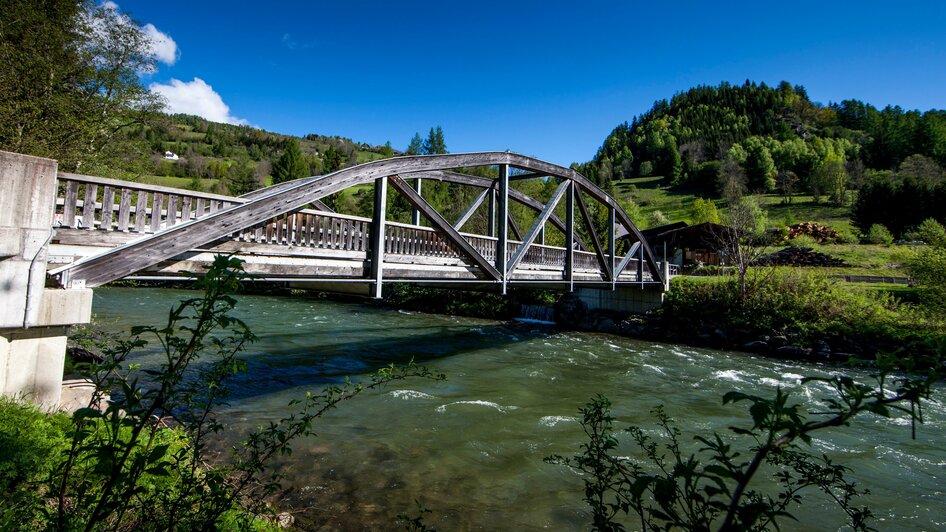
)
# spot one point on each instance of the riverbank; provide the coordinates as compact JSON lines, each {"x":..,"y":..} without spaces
{"x":787,"y":314}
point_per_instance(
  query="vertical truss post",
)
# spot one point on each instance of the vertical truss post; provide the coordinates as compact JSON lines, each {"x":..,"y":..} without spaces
{"x":640,"y":265}
{"x":491,"y":214}
{"x":415,"y":214}
{"x":377,"y":233}
{"x":611,"y":245}
{"x":570,"y":236}
{"x":502,"y":223}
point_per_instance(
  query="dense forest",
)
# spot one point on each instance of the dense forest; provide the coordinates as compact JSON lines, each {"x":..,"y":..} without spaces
{"x":733,"y":139}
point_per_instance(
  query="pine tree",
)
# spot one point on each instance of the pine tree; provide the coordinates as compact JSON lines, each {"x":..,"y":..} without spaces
{"x":290,"y":165}
{"x":416,"y":145}
{"x":331,"y":160}
{"x":434,"y":145}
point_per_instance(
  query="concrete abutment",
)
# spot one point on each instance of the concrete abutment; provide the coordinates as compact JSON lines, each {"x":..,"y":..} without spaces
{"x":34,"y":320}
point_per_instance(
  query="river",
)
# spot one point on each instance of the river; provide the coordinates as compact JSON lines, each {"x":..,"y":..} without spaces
{"x":470,"y":448}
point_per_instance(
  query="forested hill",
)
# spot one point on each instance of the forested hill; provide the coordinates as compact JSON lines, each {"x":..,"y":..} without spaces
{"x":771,"y":137}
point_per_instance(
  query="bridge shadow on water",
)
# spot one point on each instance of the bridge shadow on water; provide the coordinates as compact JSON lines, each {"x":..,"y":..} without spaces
{"x":315,"y":359}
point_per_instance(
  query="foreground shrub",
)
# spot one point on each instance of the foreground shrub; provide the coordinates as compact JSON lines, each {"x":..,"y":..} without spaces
{"x":878,"y":234}
{"x":141,"y":461}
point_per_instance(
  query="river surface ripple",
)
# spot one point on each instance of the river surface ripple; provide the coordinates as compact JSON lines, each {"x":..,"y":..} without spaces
{"x":470,"y":448}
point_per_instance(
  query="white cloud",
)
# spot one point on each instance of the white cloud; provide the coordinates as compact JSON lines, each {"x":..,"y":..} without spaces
{"x":163,"y":48}
{"x":195,"y":98}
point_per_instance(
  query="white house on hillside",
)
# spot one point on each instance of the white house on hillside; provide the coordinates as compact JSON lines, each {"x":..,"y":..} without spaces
{"x":171,"y":156}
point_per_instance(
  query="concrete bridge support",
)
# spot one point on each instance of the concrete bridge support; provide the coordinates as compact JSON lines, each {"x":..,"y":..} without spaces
{"x":34,"y":320}
{"x":623,"y":299}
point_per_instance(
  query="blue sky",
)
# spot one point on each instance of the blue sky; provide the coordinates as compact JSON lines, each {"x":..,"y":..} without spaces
{"x":549,"y":79}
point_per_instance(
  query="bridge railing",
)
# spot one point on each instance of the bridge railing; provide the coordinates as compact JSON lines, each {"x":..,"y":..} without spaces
{"x":85,"y":202}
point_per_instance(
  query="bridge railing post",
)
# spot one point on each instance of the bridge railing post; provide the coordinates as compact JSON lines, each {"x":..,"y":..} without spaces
{"x":611,"y":245}
{"x":377,"y":233}
{"x":503,"y":224}
{"x":415,"y":213}
{"x":570,"y":236}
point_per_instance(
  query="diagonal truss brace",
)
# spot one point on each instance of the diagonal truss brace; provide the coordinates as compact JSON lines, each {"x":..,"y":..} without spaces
{"x":468,"y":213}
{"x":543,"y":217}
{"x":626,"y":260}
{"x":442,"y":226}
{"x":595,"y":240}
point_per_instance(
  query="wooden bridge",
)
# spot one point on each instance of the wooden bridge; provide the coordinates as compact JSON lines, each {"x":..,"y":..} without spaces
{"x":108,"y":230}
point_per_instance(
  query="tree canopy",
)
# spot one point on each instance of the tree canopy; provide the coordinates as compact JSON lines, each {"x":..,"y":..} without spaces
{"x":69,"y":80}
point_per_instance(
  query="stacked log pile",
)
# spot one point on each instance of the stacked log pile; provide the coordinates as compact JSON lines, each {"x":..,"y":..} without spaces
{"x":820,"y":233}
{"x":800,"y":257}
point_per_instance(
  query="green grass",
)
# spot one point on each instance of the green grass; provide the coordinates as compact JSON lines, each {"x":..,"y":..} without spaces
{"x":650,"y":196}
{"x":175,"y":182}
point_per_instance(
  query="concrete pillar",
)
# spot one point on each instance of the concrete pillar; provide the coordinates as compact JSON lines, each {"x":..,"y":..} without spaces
{"x":33,"y":319}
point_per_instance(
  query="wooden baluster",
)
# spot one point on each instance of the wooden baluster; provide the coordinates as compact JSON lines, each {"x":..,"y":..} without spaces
{"x":141,"y":211}
{"x":88,"y":207}
{"x":108,"y":208}
{"x":172,"y":210}
{"x":69,"y":204}
{"x":307,"y":230}
{"x":186,"y":208}
{"x":157,"y":204}
{"x":200,"y":208}
{"x":124,"y":209}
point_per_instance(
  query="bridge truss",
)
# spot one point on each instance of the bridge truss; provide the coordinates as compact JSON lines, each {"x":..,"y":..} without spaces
{"x":109,"y":229}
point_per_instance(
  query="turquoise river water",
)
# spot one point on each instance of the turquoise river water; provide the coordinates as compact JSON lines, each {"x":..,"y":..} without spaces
{"x":470,"y":448}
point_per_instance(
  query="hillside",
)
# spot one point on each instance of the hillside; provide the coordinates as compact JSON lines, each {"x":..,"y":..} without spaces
{"x":718,"y":141}
{"x":210,"y":155}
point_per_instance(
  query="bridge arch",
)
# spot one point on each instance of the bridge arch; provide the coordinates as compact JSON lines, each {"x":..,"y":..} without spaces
{"x":177,"y":239}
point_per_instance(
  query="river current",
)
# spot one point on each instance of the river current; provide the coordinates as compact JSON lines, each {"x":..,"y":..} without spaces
{"x":471,"y":448}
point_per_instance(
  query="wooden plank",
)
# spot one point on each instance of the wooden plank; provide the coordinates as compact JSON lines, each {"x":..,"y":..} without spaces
{"x":172,"y":210}
{"x":442,"y":226}
{"x":88,"y":206}
{"x":543,"y":217}
{"x":626,"y":260}
{"x":199,"y":213}
{"x":108,"y":208}
{"x":186,"y":209}
{"x":514,"y":226}
{"x":322,"y":206}
{"x":124,"y":209}
{"x":141,"y":211}
{"x":157,"y":204}
{"x":471,"y":209}
{"x":595,"y":241}
{"x":69,"y":204}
